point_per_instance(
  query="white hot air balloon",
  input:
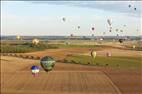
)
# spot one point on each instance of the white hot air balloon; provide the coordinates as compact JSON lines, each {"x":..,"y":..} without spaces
{"x":108,"y":54}
{"x":35,"y":41}
{"x":134,"y":46}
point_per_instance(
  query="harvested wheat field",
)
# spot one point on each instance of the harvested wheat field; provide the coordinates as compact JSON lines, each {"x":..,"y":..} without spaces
{"x":17,"y":78}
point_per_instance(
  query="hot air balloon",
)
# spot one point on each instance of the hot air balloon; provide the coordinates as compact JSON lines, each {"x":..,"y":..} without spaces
{"x":18,"y":37}
{"x":135,"y":8}
{"x":121,"y":30}
{"x":35,"y":70}
{"x":93,"y":28}
{"x":93,"y":54}
{"x":78,"y":27}
{"x":129,"y":6}
{"x":64,"y":19}
{"x":109,"y":22}
{"x":71,"y":35}
{"x":110,"y":30}
{"x":108,"y":54}
{"x":47,"y":63}
{"x":35,"y":41}
{"x":121,"y":40}
{"x":67,"y":43}
{"x":104,"y":33}
{"x":116,"y":30}
{"x":101,"y":39}
{"x":134,"y":46}
{"x":124,"y":25}
{"x":92,"y":35}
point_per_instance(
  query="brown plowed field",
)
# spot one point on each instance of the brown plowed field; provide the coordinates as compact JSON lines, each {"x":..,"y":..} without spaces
{"x":16,"y":78}
{"x":60,"y":82}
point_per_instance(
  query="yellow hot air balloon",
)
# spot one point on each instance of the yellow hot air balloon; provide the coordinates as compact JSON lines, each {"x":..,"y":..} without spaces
{"x":93,"y":54}
{"x":18,"y":37}
{"x":35,"y":41}
{"x":134,"y":46}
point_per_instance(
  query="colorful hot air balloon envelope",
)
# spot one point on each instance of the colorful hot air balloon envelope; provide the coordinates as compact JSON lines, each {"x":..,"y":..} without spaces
{"x":35,"y":70}
{"x":93,"y":54}
{"x":47,"y":63}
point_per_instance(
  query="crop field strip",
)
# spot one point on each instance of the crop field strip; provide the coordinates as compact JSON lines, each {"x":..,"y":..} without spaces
{"x":61,"y":82}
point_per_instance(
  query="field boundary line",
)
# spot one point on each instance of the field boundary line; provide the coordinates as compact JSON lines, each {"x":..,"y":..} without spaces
{"x":114,"y":86}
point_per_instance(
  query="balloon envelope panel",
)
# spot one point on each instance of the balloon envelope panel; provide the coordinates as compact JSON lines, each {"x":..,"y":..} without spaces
{"x":34,"y":67}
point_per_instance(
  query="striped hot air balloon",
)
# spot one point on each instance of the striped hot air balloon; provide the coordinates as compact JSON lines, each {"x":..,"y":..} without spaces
{"x":35,"y":70}
{"x":47,"y":63}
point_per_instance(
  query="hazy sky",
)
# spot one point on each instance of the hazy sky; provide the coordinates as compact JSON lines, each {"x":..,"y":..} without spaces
{"x":45,"y":17}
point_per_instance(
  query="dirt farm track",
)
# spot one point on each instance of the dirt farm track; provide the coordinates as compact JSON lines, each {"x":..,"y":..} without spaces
{"x":16,"y":78}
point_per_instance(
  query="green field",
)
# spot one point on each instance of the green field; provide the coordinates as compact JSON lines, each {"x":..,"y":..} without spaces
{"x":23,"y":48}
{"x":113,"y":61}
